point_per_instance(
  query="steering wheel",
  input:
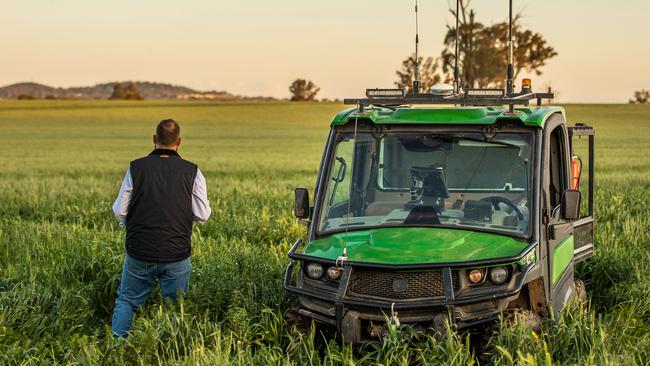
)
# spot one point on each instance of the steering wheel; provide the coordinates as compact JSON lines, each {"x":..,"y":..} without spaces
{"x":495,"y":200}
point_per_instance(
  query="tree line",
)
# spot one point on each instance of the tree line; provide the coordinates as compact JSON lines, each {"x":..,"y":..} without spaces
{"x":481,"y":58}
{"x":482,"y":53}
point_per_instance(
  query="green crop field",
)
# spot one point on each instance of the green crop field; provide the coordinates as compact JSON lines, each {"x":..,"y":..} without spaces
{"x":61,"y":250}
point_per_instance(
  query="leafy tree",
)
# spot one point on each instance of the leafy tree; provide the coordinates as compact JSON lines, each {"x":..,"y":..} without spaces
{"x":429,"y":75}
{"x":303,"y":90}
{"x":125,"y":91}
{"x":483,"y":50}
{"x":641,"y":97}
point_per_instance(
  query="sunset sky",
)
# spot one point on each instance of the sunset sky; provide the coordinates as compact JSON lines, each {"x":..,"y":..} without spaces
{"x":257,"y":47}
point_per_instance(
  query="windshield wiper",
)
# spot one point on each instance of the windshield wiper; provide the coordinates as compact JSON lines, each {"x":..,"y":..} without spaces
{"x":340,"y":175}
{"x":351,"y":224}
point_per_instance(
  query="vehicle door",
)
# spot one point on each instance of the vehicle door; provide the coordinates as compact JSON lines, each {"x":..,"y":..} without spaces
{"x":559,"y":234}
{"x":582,"y":177}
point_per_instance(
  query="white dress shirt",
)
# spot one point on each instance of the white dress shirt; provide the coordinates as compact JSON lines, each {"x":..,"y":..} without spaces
{"x":200,"y":204}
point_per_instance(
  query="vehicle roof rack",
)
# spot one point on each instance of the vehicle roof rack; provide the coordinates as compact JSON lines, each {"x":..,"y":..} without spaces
{"x":580,"y":129}
{"x":469,"y":97}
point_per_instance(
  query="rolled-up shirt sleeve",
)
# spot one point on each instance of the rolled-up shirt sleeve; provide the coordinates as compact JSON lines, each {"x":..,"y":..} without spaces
{"x":200,"y":205}
{"x":121,"y":204}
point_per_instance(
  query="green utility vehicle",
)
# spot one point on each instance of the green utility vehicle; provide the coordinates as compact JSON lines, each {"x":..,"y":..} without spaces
{"x":438,"y":213}
{"x":441,"y":206}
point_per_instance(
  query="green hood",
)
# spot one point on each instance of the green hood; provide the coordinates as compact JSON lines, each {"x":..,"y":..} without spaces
{"x":416,"y":246}
{"x":529,"y":116}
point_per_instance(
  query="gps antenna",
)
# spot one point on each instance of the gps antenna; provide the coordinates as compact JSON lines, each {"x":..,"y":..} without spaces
{"x":416,"y":77}
{"x":510,"y":71}
{"x":456,"y":75}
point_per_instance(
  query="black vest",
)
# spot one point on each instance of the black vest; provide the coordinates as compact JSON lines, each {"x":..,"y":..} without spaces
{"x":159,"y":219}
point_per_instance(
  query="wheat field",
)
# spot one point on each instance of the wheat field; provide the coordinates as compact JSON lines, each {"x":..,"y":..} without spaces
{"x":61,"y":249}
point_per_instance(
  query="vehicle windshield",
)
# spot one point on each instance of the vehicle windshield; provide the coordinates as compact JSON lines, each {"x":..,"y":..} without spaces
{"x":440,"y":179}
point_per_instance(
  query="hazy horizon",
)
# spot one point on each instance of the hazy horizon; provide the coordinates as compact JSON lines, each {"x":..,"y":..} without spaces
{"x":259,"y":47}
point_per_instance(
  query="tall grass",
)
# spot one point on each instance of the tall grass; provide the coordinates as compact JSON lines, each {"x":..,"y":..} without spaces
{"x":61,"y":250}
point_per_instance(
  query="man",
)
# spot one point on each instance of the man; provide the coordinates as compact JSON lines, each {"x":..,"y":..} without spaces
{"x":161,"y":196}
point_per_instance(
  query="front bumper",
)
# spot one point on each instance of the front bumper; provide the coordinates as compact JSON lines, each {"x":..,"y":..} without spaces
{"x":352,"y":313}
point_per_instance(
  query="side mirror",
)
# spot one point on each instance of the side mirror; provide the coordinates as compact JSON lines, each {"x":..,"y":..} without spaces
{"x":301,"y":203}
{"x":571,"y":204}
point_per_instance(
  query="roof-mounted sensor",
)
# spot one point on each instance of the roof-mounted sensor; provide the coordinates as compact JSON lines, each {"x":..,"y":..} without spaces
{"x":442,"y":89}
{"x":385,"y":93}
{"x":498,"y":93}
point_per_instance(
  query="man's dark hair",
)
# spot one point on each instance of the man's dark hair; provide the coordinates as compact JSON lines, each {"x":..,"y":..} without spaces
{"x":167,"y":132}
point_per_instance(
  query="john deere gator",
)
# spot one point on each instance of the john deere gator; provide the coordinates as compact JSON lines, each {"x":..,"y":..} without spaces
{"x":437,"y":214}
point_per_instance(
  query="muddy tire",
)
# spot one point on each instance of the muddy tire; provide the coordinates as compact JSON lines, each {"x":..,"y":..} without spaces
{"x":293,"y":318}
{"x":528,"y":318}
{"x":303,"y":325}
{"x":485,"y":350}
{"x":580,"y":295}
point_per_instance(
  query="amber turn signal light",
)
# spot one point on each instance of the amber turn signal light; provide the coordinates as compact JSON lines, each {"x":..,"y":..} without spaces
{"x":333,"y":273}
{"x":576,"y":171}
{"x":475,"y":276}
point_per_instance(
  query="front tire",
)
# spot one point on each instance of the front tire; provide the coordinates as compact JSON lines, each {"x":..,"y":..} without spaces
{"x":293,"y":318}
{"x":580,"y":295}
{"x":529,"y":318}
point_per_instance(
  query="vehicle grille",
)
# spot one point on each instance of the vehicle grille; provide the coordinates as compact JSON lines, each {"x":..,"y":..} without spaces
{"x":382,"y":284}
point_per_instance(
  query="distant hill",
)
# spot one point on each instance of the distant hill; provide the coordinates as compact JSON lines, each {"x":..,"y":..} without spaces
{"x":36,"y":90}
{"x":148,"y":90}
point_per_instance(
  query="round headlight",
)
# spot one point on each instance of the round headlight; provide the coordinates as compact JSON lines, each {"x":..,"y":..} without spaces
{"x":315,"y":271}
{"x":475,"y":276}
{"x":333,"y":273}
{"x":498,"y":275}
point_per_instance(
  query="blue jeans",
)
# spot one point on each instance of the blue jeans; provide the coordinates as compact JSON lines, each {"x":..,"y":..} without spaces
{"x":138,"y":279}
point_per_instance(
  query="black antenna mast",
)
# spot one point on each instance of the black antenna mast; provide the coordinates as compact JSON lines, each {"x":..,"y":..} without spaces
{"x":510,"y":71}
{"x":416,"y":77}
{"x":456,"y":74}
